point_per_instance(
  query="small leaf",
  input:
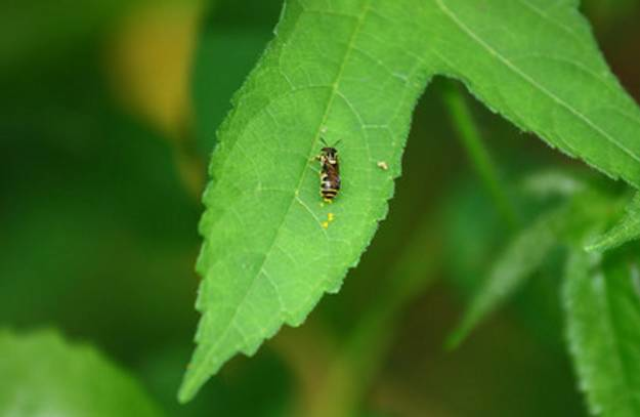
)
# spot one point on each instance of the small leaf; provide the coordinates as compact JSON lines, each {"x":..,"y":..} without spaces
{"x":352,"y":71}
{"x":522,"y":257}
{"x":42,"y":375}
{"x":562,"y":226}
{"x":626,"y":230}
{"x":602,"y":306}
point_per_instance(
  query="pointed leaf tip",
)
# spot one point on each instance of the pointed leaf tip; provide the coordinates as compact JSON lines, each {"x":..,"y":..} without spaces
{"x":627,"y":230}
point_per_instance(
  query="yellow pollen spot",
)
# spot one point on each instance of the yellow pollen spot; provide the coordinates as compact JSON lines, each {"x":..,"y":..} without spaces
{"x":330,"y":217}
{"x":325,"y":225}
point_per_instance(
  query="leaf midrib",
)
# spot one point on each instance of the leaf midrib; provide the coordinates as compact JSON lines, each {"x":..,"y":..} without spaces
{"x":334,"y":93}
{"x":516,"y":70}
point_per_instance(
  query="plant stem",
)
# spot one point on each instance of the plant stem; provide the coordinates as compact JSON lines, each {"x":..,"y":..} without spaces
{"x":469,"y":135}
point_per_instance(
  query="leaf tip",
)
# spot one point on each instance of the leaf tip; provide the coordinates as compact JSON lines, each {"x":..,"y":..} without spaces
{"x":185,"y":393}
{"x":601,"y":244}
{"x":594,"y":247}
{"x":190,"y":386}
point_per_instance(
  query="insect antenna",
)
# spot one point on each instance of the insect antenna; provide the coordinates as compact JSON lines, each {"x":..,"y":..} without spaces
{"x":326,"y":144}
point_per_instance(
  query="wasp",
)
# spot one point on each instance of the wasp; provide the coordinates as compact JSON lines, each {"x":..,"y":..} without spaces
{"x":329,"y":172}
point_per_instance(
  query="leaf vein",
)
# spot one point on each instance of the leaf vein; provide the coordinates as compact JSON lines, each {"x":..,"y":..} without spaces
{"x":210,"y":354}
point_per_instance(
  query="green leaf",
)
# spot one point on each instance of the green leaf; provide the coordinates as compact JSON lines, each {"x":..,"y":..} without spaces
{"x":528,"y":251}
{"x":42,"y":375}
{"x":521,"y":258}
{"x":602,"y":307}
{"x":536,"y":63}
{"x":352,"y":71}
{"x":626,"y":230}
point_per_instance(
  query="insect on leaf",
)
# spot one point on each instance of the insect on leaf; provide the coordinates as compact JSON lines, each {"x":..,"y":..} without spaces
{"x":353,"y":70}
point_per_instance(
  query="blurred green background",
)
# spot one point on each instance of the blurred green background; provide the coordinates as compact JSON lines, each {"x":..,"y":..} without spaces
{"x":108,"y":112}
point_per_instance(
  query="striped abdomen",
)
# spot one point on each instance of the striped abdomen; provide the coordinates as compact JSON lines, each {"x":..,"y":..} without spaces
{"x":329,"y":182}
{"x":329,"y":173}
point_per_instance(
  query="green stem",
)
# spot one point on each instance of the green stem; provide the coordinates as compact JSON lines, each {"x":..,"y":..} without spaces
{"x":471,"y":139}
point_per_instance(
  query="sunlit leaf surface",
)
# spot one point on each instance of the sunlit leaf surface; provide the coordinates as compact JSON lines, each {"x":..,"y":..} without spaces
{"x":350,"y":72}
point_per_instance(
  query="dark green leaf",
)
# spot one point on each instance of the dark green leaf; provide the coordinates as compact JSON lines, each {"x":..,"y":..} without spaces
{"x":522,"y":257}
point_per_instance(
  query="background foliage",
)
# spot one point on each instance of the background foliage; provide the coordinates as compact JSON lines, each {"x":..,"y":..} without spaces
{"x":108,"y":110}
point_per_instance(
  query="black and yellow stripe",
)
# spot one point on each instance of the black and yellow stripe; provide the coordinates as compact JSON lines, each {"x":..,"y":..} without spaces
{"x":329,"y":193}
{"x":329,"y":174}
